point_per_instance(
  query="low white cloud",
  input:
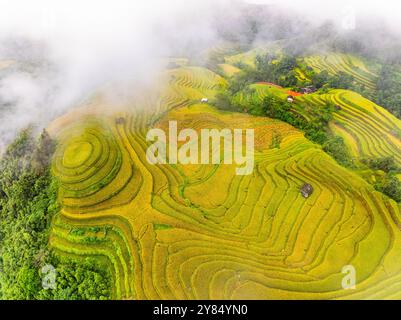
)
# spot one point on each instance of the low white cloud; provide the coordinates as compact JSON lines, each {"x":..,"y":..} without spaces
{"x":74,"y":46}
{"x":318,"y":10}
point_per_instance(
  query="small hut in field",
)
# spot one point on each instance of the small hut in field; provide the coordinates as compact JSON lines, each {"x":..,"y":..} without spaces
{"x":308,"y":90}
{"x":306,"y":190}
{"x":120,"y":120}
{"x":290,"y":99}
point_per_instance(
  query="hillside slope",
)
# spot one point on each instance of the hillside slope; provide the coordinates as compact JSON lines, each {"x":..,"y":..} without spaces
{"x":202,"y":232}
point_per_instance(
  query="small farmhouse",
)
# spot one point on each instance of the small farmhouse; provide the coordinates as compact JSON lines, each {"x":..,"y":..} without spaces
{"x":308,"y":90}
{"x":120,"y":120}
{"x":306,"y":190}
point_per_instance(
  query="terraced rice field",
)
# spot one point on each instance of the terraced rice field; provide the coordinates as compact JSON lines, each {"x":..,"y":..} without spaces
{"x":194,"y":83}
{"x":368,"y":129}
{"x":228,"y":70}
{"x":336,"y":62}
{"x":202,"y":232}
{"x":248,"y":57}
{"x":256,"y":92}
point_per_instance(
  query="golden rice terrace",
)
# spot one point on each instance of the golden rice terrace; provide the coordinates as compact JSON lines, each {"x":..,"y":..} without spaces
{"x":203,"y":232}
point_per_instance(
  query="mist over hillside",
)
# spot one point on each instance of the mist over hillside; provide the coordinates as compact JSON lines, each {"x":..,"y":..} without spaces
{"x":62,"y":52}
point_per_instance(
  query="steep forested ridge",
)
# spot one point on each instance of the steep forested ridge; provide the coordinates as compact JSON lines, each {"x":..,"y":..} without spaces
{"x":28,"y":203}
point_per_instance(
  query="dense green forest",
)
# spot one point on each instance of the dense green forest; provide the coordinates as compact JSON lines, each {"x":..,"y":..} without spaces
{"x":389,"y":184}
{"x":388,"y":87}
{"x":28,"y":202}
